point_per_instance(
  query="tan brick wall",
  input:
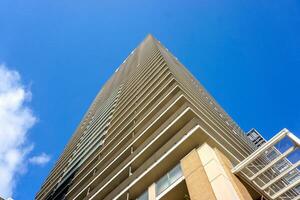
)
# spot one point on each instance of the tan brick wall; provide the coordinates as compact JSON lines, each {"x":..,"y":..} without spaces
{"x":196,"y":179}
{"x":239,"y":187}
{"x":220,"y":183}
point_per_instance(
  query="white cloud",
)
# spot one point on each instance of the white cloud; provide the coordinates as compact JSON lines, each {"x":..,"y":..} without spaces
{"x":40,"y":160}
{"x":16,"y":118}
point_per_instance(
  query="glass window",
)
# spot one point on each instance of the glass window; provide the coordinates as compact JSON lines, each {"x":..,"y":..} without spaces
{"x":143,"y":196}
{"x":282,"y":165}
{"x":162,"y":184}
{"x":272,"y":154}
{"x":175,"y":174}
{"x":168,"y":179}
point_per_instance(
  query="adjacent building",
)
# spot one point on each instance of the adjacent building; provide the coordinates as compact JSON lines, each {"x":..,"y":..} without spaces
{"x":154,"y":132}
{"x":256,"y":137}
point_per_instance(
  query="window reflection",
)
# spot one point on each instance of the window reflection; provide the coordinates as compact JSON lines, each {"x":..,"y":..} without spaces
{"x":168,"y":179}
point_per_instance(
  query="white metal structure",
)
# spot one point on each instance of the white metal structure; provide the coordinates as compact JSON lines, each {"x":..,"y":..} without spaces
{"x":270,"y":171}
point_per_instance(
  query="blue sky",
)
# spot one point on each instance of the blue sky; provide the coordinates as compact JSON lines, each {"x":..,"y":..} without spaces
{"x":246,"y":54}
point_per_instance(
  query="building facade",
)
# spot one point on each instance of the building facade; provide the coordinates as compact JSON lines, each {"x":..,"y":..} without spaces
{"x":256,"y":137}
{"x":154,"y":132}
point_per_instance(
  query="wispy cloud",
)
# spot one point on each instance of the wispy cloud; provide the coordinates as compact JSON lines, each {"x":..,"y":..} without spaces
{"x":40,"y":159}
{"x":16,"y":118}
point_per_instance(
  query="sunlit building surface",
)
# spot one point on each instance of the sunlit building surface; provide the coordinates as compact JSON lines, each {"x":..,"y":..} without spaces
{"x":154,"y":133}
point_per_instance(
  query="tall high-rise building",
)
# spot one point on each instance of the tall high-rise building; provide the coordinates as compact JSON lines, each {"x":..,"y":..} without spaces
{"x":153,"y":132}
{"x":256,"y":137}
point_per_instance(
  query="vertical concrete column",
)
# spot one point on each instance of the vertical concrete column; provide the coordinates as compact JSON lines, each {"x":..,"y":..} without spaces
{"x":237,"y":184}
{"x":196,"y":179}
{"x":220,"y":182}
{"x":151,"y":192}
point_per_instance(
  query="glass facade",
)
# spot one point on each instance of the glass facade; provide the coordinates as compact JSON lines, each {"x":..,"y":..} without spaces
{"x":168,"y":179}
{"x":143,"y":196}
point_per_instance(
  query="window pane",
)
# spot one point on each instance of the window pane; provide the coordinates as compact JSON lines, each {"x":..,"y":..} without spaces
{"x":175,"y":174}
{"x":162,"y":184}
{"x":143,"y":196}
{"x":168,"y":179}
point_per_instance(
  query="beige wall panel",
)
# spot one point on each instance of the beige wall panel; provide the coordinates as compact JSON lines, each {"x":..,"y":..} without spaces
{"x":237,"y":184}
{"x":196,"y":179}
{"x":221,"y":182}
{"x":223,"y":188}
